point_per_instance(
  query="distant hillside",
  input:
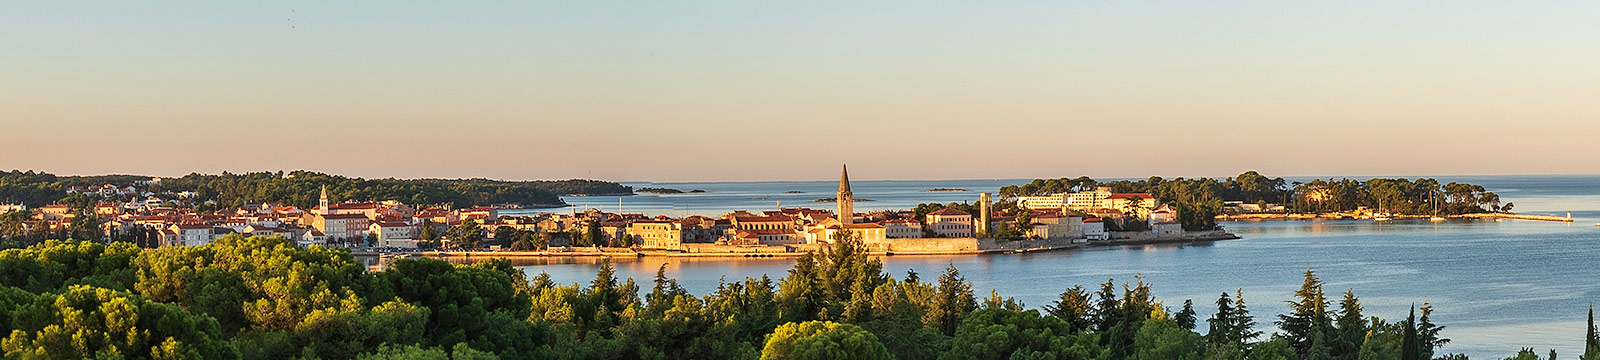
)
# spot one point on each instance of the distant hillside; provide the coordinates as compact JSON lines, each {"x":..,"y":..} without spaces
{"x":303,"y":188}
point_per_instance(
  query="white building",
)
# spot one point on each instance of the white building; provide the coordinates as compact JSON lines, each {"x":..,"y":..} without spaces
{"x":191,"y":234}
{"x":1046,"y":202}
{"x":1087,"y":200}
{"x":1163,"y":213}
{"x":342,"y":226}
{"x":1136,"y":204}
{"x":397,"y":232}
{"x":1094,"y":229}
{"x":308,"y":237}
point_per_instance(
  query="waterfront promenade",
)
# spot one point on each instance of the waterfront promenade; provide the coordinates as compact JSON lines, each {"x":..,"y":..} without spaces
{"x":953,"y":246}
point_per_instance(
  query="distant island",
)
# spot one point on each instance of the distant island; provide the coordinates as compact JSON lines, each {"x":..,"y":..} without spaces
{"x":794,"y":192}
{"x":666,"y":191}
{"x":300,"y":188}
{"x":834,"y":199}
{"x":945,"y":190}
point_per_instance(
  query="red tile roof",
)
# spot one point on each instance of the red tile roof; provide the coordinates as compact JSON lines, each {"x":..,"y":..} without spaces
{"x":948,"y":212}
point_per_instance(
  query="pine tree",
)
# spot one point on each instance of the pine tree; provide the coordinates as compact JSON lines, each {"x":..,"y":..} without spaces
{"x":1309,"y":311}
{"x":1221,"y":332}
{"x":1105,"y":310}
{"x":1351,"y":328}
{"x":1410,"y":349}
{"x":801,"y":296}
{"x":952,"y":301}
{"x":859,"y":308}
{"x":1186,"y":317}
{"x":1243,"y":323}
{"x":1428,"y":334}
{"x":1319,"y":349}
{"x":1073,"y":307}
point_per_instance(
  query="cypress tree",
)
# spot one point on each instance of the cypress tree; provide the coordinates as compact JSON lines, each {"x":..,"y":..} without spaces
{"x":1591,"y":342}
{"x":1409,"y":347}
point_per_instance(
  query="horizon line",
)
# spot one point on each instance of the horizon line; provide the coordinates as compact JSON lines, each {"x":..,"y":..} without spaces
{"x":1135,"y":178}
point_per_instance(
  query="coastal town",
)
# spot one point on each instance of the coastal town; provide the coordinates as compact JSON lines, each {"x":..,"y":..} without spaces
{"x":387,"y":225}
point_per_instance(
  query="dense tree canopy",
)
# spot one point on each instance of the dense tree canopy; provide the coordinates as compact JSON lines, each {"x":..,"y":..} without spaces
{"x":823,"y":340}
{"x":303,"y":188}
{"x":264,"y":298}
{"x":1199,"y":200}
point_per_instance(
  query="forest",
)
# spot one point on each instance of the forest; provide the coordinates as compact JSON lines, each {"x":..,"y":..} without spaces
{"x":264,"y":298}
{"x":1422,"y":196}
{"x":303,"y":189}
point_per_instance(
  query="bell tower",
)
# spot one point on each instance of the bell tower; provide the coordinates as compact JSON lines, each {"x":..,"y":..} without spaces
{"x":323,"y":210}
{"x":844,"y":199}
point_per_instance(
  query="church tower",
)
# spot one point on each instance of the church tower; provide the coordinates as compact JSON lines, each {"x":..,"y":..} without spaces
{"x":845,"y":199}
{"x":324,"y":202}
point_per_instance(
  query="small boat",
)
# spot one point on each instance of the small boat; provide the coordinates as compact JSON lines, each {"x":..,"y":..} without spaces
{"x":1380,"y":217}
{"x":1436,"y":218}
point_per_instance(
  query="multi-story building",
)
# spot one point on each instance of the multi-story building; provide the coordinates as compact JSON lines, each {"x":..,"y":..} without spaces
{"x":1135,"y":204}
{"x":1047,"y":202}
{"x":191,"y":234}
{"x":1095,"y":229}
{"x":1087,"y":200}
{"x":397,"y":234}
{"x":902,"y":229}
{"x":657,"y":234}
{"x":752,"y":222}
{"x":865,"y":232}
{"x":950,"y":223}
{"x":341,"y":226}
{"x":1057,"y":226}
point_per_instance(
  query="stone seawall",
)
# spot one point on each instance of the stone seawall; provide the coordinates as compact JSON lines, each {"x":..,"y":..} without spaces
{"x":912,"y":246}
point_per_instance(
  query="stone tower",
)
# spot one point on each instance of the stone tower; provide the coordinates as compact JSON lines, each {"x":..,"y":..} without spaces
{"x":324,"y":203}
{"x":983,"y":217}
{"x":844,"y":199}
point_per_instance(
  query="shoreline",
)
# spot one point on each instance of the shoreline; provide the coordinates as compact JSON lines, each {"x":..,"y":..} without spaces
{"x":1346,"y":216}
{"x":601,"y":252}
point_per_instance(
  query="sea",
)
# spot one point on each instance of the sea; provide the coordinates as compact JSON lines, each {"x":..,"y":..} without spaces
{"x":1496,"y":286}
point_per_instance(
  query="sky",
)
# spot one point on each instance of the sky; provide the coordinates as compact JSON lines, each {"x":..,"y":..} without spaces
{"x":778,"y":90}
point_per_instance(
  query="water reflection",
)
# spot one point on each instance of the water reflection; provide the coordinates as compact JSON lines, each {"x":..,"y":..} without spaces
{"x":1482,"y":276}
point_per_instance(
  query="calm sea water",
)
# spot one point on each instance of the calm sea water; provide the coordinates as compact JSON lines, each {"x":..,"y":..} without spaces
{"x":1497,"y":286}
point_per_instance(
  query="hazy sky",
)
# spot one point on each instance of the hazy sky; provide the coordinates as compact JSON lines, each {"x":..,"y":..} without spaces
{"x":766,"y":90}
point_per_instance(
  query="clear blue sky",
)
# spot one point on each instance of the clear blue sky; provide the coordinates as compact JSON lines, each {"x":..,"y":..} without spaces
{"x":753,"y":90}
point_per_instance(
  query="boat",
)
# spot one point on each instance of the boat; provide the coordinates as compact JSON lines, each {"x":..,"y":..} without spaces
{"x":1434,"y":203}
{"x":1380,"y":217}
